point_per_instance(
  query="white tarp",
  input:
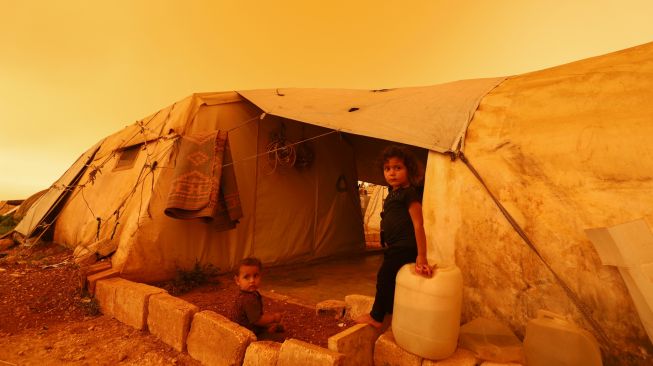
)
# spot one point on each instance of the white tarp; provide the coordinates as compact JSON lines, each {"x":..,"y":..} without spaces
{"x":629,"y":247}
{"x":433,"y":117}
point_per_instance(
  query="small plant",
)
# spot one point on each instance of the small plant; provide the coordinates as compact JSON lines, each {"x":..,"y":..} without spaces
{"x":91,"y":306}
{"x":186,"y":280}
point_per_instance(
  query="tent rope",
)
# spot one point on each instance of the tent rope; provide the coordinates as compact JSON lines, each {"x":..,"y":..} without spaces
{"x":113,"y":232}
{"x":584,"y":310}
{"x":97,"y":169}
{"x":257,"y":117}
{"x":281,"y":148}
{"x":99,"y":223}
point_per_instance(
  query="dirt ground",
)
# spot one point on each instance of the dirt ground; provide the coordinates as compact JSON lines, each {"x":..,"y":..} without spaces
{"x":46,"y":320}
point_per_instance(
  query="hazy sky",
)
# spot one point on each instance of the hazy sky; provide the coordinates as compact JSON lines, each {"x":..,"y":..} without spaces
{"x":72,"y":72}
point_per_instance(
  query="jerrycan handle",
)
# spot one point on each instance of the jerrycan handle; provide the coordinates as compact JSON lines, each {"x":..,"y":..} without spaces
{"x":546,"y":314}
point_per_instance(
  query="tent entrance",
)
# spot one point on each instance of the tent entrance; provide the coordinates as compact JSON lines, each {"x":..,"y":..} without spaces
{"x":326,"y":279}
{"x":372,"y":197}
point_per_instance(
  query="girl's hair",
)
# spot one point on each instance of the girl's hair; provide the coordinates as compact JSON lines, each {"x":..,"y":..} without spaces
{"x":414,"y":167}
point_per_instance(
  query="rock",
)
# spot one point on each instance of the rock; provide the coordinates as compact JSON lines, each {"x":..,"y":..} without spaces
{"x":296,"y":352}
{"x":356,"y":343}
{"x":387,"y":352}
{"x":358,"y":305}
{"x":334,"y":308}
{"x":491,"y":340}
{"x":169,"y":319}
{"x":461,"y":357}
{"x":209,"y":326}
{"x":263,"y":353}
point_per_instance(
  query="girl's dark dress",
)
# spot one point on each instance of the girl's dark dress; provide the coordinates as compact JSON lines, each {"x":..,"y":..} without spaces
{"x":399,"y":236}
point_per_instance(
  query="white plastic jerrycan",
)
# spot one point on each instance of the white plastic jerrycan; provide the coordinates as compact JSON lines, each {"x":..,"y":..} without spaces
{"x":551,"y":340}
{"x":426,"y":318}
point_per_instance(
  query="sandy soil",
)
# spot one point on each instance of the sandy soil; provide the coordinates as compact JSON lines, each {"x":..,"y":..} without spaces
{"x":46,"y":320}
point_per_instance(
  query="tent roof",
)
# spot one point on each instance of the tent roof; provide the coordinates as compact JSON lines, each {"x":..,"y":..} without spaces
{"x":433,"y":117}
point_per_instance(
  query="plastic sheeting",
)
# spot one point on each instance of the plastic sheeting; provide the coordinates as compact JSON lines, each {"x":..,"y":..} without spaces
{"x":629,"y":247}
{"x":432,"y":117}
{"x":48,"y":202}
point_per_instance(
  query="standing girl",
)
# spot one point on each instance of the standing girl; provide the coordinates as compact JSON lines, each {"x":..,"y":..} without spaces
{"x":402,"y":227}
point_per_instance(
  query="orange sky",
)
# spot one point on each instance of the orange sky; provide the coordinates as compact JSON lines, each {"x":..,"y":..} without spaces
{"x":72,"y":72}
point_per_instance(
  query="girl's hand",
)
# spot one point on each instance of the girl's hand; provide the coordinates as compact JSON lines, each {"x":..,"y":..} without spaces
{"x":422,"y":267}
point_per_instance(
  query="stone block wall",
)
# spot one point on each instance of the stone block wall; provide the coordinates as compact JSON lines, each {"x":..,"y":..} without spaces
{"x":215,"y":340}
{"x":169,"y":319}
{"x":295,"y":352}
{"x":357,"y":344}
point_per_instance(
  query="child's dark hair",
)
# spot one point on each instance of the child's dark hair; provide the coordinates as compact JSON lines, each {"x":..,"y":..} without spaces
{"x":414,"y":167}
{"x":249,"y":261}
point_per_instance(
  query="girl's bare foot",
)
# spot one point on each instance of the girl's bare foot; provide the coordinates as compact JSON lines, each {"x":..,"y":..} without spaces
{"x":367,"y":319}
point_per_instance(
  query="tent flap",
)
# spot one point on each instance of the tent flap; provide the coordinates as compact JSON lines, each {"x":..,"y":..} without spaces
{"x":431,"y":117}
{"x":47,"y":202}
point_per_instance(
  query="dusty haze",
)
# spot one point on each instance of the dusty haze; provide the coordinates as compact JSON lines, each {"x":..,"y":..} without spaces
{"x":72,"y":72}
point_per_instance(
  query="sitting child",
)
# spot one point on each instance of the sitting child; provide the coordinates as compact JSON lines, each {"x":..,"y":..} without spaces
{"x":248,"y":308}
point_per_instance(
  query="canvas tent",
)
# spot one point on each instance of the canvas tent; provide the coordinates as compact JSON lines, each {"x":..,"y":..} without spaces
{"x":562,"y":150}
{"x":290,"y":215}
{"x":508,"y":197}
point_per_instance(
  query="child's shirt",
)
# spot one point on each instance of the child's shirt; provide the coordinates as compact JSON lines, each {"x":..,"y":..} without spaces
{"x":248,"y":309}
{"x":396,"y":224}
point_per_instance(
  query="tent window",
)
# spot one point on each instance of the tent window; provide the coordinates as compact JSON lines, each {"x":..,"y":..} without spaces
{"x":127,"y":157}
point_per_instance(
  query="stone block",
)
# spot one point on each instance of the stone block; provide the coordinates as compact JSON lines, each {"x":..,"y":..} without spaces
{"x":105,"y":294}
{"x":356,"y":343}
{"x":358,"y":305}
{"x":333,"y":308}
{"x":131,"y":302}
{"x":98,"y":267}
{"x":92,"y":269}
{"x":491,"y":340}
{"x":264,"y":353}
{"x":461,"y":357}
{"x":92,"y":279}
{"x":295,"y":352}
{"x":169,"y":319}
{"x":388,"y":353}
{"x":215,"y":340}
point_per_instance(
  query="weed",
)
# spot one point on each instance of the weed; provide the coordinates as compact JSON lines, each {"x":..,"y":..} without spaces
{"x":38,"y":256}
{"x":91,"y":306}
{"x":186,"y":280}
